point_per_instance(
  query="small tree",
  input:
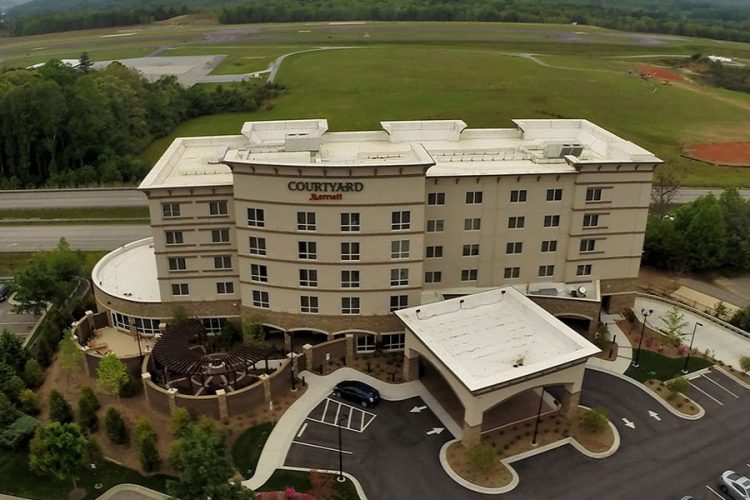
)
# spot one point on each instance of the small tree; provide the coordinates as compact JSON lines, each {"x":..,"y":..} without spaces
{"x":595,"y":420}
{"x":8,"y":412}
{"x":33,"y":374}
{"x":181,"y":421}
{"x":146,"y":439}
{"x":674,"y":325}
{"x":58,"y":449}
{"x":481,"y":457}
{"x":85,"y":64}
{"x":252,"y":331}
{"x":679,"y":384}
{"x":88,"y":405}
{"x":111,"y":375}
{"x":71,"y":354}
{"x":745,"y":363}
{"x":721,"y":310}
{"x":59,"y":409}
{"x":117,"y":431}
{"x":28,"y":402}
{"x":179,"y":314}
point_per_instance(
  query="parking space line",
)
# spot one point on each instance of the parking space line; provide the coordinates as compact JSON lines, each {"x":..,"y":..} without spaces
{"x":322,"y":447}
{"x":719,"y":385}
{"x":707,"y":394}
{"x":362,"y":422}
{"x":349,"y":423}
{"x":714,"y":492}
{"x":352,"y":410}
{"x":336,"y":418}
{"x":302,"y":430}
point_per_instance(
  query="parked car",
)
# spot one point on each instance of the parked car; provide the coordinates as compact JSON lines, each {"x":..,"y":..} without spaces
{"x":734,"y":485}
{"x":4,"y":292}
{"x":357,"y":392}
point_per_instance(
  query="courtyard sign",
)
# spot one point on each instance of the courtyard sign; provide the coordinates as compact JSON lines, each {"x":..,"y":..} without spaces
{"x":334,"y":188}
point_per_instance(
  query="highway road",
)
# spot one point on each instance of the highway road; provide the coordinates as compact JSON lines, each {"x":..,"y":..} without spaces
{"x":64,"y":198}
{"x":687,"y":195}
{"x":93,"y":237}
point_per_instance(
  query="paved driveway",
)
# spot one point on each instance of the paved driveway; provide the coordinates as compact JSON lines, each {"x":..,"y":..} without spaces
{"x":20,"y":324}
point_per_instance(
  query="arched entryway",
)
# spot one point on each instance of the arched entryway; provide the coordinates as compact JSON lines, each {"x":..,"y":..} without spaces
{"x":435,"y":382}
{"x":304,"y":336}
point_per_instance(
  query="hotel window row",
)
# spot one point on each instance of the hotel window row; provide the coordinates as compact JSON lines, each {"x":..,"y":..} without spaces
{"x":215,"y":208}
{"x":310,"y":304}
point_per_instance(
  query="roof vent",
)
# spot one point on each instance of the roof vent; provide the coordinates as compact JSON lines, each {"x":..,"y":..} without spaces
{"x":579,"y":292}
{"x":562,"y":149}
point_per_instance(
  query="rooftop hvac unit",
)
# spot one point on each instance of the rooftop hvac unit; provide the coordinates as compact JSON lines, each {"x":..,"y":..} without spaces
{"x":562,"y":149}
{"x":579,"y":292}
{"x":301,"y":141}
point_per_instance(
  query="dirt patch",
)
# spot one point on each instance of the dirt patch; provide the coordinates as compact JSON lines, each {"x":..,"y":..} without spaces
{"x":735,"y":154}
{"x":660,"y":73}
{"x":674,"y":399}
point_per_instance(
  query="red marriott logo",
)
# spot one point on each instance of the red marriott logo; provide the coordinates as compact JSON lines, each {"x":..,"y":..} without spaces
{"x":319,"y":197}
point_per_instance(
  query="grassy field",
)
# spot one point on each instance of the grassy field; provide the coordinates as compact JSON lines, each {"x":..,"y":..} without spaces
{"x":240,"y":59}
{"x":12,"y":262}
{"x":66,"y":215}
{"x":652,"y":365}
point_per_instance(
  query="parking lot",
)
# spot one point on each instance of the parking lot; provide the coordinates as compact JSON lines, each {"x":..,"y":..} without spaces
{"x":20,"y":324}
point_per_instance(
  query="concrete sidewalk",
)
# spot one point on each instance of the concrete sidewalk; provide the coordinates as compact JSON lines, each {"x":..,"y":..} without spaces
{"x":624,"y":349}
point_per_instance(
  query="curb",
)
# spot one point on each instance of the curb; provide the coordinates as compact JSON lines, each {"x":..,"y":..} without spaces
{"x":125,"y":487}
{"x":732,"y":376}
{"x":667,"y":406}
{"x":508,"y":461}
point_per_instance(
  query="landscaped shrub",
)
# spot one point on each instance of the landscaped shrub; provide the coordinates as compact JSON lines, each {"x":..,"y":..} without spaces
{"x":745,"y":363}
{"x":595,"y":420}
{"x":117,"y":431}
{"x":130,"y":387}
{"x":481,"y":457}
{"x":146,"y":439}
{"x":181,"y":420}
{"x":33,"y":374}
{"x":17,"y":433}
{"x":8,"y":412}
{"x":679,"y":384}
{"x":88,"y":405}
{"x":59,"y":409}
{"x":28,"y":403}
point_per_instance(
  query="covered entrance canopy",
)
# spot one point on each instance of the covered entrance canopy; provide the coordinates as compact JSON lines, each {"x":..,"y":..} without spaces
{"x":492,"y":346}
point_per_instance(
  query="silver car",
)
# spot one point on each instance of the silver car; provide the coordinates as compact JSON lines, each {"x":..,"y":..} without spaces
{"x":734,"y":485}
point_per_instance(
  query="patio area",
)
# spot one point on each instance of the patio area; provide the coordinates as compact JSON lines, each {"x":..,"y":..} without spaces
{"x":123,"y":345}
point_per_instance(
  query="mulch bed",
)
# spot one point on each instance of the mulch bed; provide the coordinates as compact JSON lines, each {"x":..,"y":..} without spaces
{"x":660,"y":73}
{"x":736,"y":154}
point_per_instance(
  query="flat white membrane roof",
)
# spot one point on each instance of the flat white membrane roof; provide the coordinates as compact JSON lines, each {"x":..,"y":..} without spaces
{"x":493,"y":337}
{"x":129,"y":272}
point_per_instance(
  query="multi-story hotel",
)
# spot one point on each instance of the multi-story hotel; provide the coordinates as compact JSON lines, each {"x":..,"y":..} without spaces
{"x":330,"y":232}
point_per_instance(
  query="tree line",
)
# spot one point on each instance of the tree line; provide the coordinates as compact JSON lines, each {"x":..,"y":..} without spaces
{"x":63,"y":127}
{"x":708,"y":234}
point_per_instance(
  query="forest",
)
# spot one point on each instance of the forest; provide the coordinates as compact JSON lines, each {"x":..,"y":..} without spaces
{"x":65,"y":127}
{"x":718,"y":19}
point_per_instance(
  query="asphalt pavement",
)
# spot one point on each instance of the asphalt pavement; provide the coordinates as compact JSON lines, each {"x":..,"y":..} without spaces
{"x":89,"y":237}
{"x":20,"y":324}
{"x":63,"y":198}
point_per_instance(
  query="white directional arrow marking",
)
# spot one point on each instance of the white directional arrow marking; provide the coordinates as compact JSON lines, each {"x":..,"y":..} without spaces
{"x":435,"y":430}
{"x":628,"y":423}
{"x":654,"y":415}
{"x":417,"y":409}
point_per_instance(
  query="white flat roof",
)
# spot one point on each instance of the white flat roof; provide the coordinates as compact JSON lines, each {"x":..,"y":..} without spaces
{"x":494,"y":337}
{"x":448,"y":147}
{"x":129,"y":272}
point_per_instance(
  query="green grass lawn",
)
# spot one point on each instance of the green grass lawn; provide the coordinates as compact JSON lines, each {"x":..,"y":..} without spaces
{"x":240,"y":58}
{"x":654,"y":365}
{"x":13,"y":262}
{"x":16,"y":479}
{"x":246,"y":450}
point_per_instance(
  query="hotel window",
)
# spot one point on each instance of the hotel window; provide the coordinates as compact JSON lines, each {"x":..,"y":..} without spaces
{"x":551,"y":220}
{"x":398,"y":302}
{"x":350,"y":250}
{"x":120,"y":321}
{"x":434,"y":252}
{"x":594,"y":194}
{"x":583,"y":270}
{"x":435,"y":225}
{"x":218,"y":207}
{"x":174,"y":237}
{"x":257,"y":245}
{"x":365,"y":342}
{"x":180,"y":289}
{"x":220,"y":235}
{"x":518,"y":196}
{"x":549,"y":246}
{"x":590,"y":220}
{"x":350,"y":279}
{"x":177,"y":263}
{"x":256,"y":217}
{"x":147,"y":326}
{"x":436,"y":198}
{"x":400,"y":220}
{"x":350,"y":222}
{"x":260,"y":299}
{"x":349,"y":305}
{"x":308,"y":250}
{"x":516,"y":222}
{"x":308,"y":277}
{"x":474,"y":224}
{"x":223,"y":262}
{"x":170,"y":209}
{"x":213,"y":325}
{"x":225,"y":288}
{"x":308,"y":304}
{"x":471,"y":250}
{"x":394,"y":341}
{"x":259,"y":272}
{"x":400,"y":249}
{"x":433,"y":277}
{"x":514,"y":247}
{"x":306,"y":221}
{"x":468,"y":275}
{"x":554,"y":194}
{"x":588,"y":245}
{"x":399,"y":277}
{"x":473,"y":197}
{"x":511,"y":272}
{"x":545,"y":271}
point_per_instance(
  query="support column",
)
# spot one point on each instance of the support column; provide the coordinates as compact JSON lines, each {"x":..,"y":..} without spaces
{"x":288,"y":341}
{"x":266,"y":387}
{"x":472,"y":435}
{"x":131,"y":326}
{"x":221,"y":397}
{"x":308,"y":350}
{"x":570,"y":401}
{"x":172,"y":400}
{"x":349,"y":349}
{"x":145,"y":379}
{"x":411,"y":365}
{"x":90,"y":321}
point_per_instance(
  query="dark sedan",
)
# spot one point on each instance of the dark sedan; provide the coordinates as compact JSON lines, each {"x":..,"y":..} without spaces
{"x":357,"y":392}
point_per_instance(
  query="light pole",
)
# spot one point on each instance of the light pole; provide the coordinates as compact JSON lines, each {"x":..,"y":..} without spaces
{"x":692,"y":337}
{"x":538,"y":417}
{"x":646,"y":313}
{"x":294,"y":382}
{"x":138,"y":340}
{"x":341,"y":477}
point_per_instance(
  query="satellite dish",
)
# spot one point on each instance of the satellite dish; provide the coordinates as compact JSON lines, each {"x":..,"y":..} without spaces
{"x":581,"y":291}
